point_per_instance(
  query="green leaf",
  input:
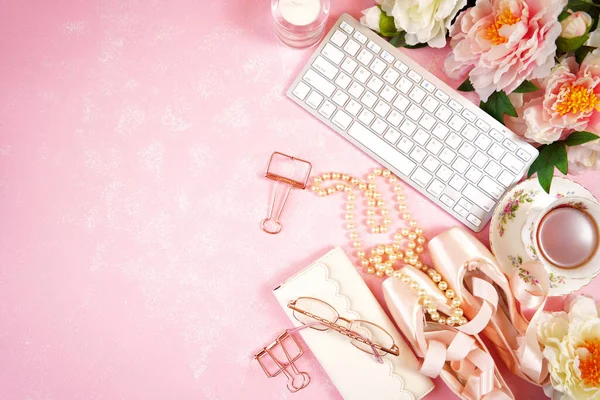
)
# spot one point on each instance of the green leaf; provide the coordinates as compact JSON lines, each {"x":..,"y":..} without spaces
{"x":466,"y":86}
{"x":564,"y":45}
{"x":582,"y":52}
{"x":400,"y":41}
{"x":580,"y":137}
{"x":497,"y":105}
{"x":387,"y":27}
{"x":552,"y":155}
{"x":526,"y":87}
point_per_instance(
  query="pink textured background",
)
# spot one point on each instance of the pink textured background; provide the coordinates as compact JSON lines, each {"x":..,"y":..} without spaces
{"x":133,"y":138}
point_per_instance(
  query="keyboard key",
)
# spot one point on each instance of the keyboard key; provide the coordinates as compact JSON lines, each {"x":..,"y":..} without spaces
{"x":339,"y":38}
{"x":442,"y":96}
{"x":461,"y":211}
{"x":368,"y":99}
{"x":349,"y":65}
{"x":319,"y":83}
{"x":374,"y":47}
{"x":404,"y":85}
{"x":412,"y":74}
{"x":382,"y":108}
{"x":378,"y":146}
{"x":408,"y":127}
{"x":447,"y":200}
{"x":401,"y":103}
{"x":431,"y":164}
{"x":453,"y":140}
{"x":364,"y":57}
{"x":455,"y":105}
{"x":434,"y":146}
{"x":483,"y":142}
{"x":375,"y":84}
{"x":481,"y":124}
{"x":443,"y":113}
{"x":377,"y":66}
{"x":327,"y":109}
{"x":493,"y":169}
{"x":421,"y":177}
{"x":447,"y":155}
{"x":392,"y":136}
{"x":473,"y":174}
{"x":436,"y":188}
{"x":460,"y":165}
{"x":356,"y":90}
{"x":421,"y":137}
{"x":512,"y":163}
{"x":456,"y":123}
{"x":391,"y":76}
{"x":473,"y":219}
{"x":360,"y":37}
{"x":301,"y":90}
{"x":401,"y":66}
{"x":325,"y":67}
{"x":491,"y":187}
{"x":480,"y":159}
{"x":353,"y":107}
{"x":332,"y":53}
{"x":523,"y":155}
{"x":366,"y":116}
{"x":314,"y":100}
{"x":477,"y":197}
{"x":427,"y":121}
{"x":510,"y":145}
{"x":343,"y":80}
{"x":379,"y":126}
{"x":469,"y":116}
{"x":418,"y":154}
{"x":465,"y":204}
{"x":417,"y":94}
{"x":405,"y":145}
{"x":469,"y":132}
{"x":497,"y":136}
{"x":444,"y":173}
{"x":388,"y":93}
{"x":340,"y":98}
{"x":395,"y":118}
{"x":457,"y":182}
{"x":496,"y":151}
{"x":430,"y":104}
{"x":506,"y":178}
{"x":387,"y":57}
{"x":414,"y":112}
{"x":362,"y":75}
{"x":428,"y":86}
{"x":466,"y":150}
{"x":440,"y":131}
{"x":346,"y":27}
{"x":341,"y":119}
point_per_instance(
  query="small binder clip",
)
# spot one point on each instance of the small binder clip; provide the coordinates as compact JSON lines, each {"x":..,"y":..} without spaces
{"x":291,"y":182}
{"x":289,"y":351}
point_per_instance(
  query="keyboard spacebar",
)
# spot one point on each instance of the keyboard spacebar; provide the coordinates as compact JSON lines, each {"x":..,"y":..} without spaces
{"x":381,"y":148}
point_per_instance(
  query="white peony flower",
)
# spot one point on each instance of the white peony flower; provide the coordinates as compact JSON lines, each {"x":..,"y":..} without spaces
{"x":572,"y":346}
{"x":575,"y":25}
{"x":425,"y":21}
{"x":584,"y":157}
{"x":371,"y":17}
{"x":594,"y":39}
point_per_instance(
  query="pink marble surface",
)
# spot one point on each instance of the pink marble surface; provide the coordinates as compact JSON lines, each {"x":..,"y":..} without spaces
{"x":133,"y":137}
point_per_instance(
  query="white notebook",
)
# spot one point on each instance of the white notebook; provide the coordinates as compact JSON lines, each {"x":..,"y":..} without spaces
{"x":334,"y":279}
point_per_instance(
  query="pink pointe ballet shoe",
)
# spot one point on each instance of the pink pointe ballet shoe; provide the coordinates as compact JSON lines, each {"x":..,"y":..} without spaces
{"x":488,"y":300}
{"x":461,"y":360}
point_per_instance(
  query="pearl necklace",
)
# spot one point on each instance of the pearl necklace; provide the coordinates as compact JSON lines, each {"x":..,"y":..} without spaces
{"x":383,"y":258}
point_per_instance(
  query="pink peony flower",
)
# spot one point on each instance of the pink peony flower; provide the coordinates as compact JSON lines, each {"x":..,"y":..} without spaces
{"x":569,"y":100}
{"x":501,"y":43}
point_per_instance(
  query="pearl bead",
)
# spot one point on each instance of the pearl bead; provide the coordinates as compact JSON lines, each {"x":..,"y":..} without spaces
{"x":370,"y":270}
{"x":379,"y":274}
{"x":362,"y":186}
{"x":436,"y":278}
{"x":422,"y":292}
{"x":370,"y":213}
{"x":383,"y":229}
{"x":349,"y":216}
{"x":370,"y":222}
{"x":427,"y":302}
{"x":350,"y":226}
{"x":351,"y":197}
{"x":421,"y":240}
{"x":450,"y":293}
{"x":397,"y":248}
{"x":392,"y":179}
{"x":371,"y":177}
{"x":400,"y":198}
{"x":371,"y":186}
{"x":413,"y":224}
{"x":435,"y":316}
{"x":354,"y":235}
{"x":380,"y":203}
{"x":369,"y":193}
{"x":364,"y":263}
{"x":419,"y":265}
{"x":376,"y":195}
{"x":384,"y":212}
{"x":388,"y":249}
{"x":449,"y":321}
{"x":386,"y":173}
{"x":317,"y":179}
{"x":401,"y":207}
{"x":409,"y":253}
{"x":411,"y":245}
{"x":376,"y":259}
{"x":380,"y":267}
{"x":326,"y":176}
{"x":314,"y":188}
{"x":350,"y":206}
{"x":339,"y":187}
{"x":393,"y":257}
{"x":404,"y":232}
{"x":380,"y":250}
{"x":455,"y":319}
{"x":414,"y":285}
{"x":431,"y":310}
{"x":322,"y":193}
{"x":431,"y":273}
{"x":458,"y":312}
{"x":375,"y":229}
{"x":405,"y":279}
{"x":442,"y":320}
{"x":420,"y":249}
{"x":462,"y":321}
{"x":377,"y":171}
{"x":397,"y":188}
{"x":336,"y":175}
{"x":345,"y":177}
{"x":456,"y":303}
{"x":356,"y":244}
{"x":406,"y":216}
{"x":389,"y":271}
{"x":412,"y":236}
{"x":397,"y":274}
{"x":330,"y":190}
{"x":360,"y":254}
{"x":443,"y":285}
{"x":354,"y":181}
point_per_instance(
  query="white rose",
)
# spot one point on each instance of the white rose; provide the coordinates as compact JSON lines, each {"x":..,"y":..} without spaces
{"x":371,"y":17}
{"x":594,"y":39}
{"x":584,"y":157}
{"x":575,"y":24}
{"x":425,"y":21}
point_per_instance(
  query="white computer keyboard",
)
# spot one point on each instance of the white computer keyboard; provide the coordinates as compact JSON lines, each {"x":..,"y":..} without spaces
{"x":410,"y":121}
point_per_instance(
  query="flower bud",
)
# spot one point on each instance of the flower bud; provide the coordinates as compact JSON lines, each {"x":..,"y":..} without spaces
{"x":575,"y":25}
{"x":371,"y":17}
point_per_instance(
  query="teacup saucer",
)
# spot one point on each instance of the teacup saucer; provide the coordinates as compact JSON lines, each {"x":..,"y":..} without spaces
{"x":508,"y":221}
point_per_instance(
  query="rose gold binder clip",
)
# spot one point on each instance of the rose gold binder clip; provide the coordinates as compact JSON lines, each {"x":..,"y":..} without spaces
{"x":291,"y":183}
{"x":280,"y":357}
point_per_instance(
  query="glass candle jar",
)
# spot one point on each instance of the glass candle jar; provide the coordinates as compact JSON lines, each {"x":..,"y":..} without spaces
{"x":300,"y":23}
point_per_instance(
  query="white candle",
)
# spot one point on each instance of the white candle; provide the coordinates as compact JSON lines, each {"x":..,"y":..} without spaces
{"x":300,"y":12}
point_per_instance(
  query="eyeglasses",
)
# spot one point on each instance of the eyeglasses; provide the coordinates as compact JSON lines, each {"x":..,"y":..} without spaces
{"x":364,"y":335}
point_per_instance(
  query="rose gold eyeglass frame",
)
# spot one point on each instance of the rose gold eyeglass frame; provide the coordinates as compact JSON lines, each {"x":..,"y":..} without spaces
{"x":394,"y":350}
